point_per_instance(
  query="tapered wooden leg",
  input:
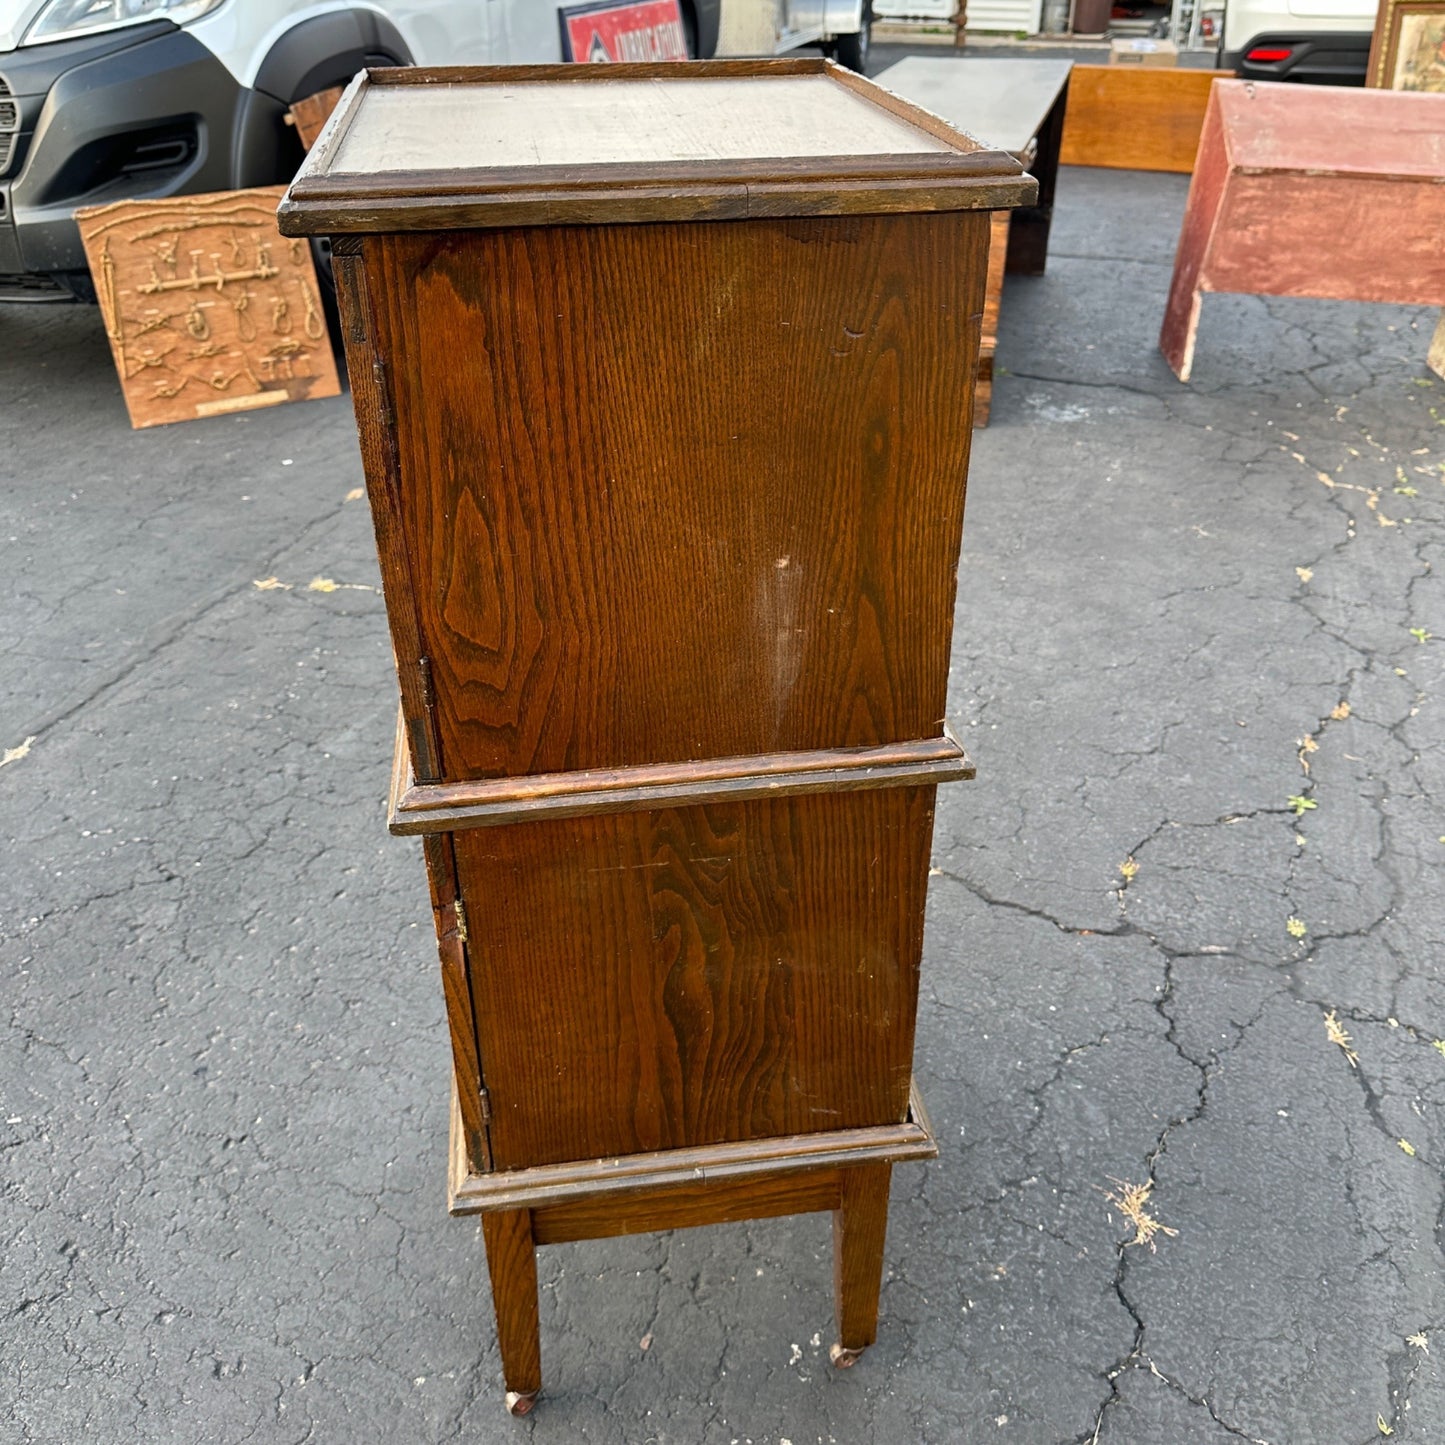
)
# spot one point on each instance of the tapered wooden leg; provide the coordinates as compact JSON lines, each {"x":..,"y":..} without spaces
{"x":859,"y":1227}
{"x":512,"y":1263}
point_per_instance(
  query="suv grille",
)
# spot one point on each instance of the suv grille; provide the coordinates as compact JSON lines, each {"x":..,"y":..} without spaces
{"x":9,"y":124}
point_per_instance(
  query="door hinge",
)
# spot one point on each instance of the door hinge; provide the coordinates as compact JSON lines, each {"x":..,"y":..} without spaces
{"x":461,"y":911}
{"x":486,"y":1099}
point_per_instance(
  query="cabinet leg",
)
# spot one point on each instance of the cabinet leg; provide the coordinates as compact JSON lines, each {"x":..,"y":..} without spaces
{"x":512,"y":1264}
{"x":859,"y":1226}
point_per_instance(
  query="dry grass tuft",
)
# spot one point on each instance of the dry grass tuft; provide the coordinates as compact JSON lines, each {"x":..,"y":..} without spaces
{"x":1130,"y":1202}
{"x":1337,"y":1035}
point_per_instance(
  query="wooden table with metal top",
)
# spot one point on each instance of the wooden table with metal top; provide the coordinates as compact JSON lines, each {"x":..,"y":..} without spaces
{"x":1016,"y":106}
{"x":655,"y":373}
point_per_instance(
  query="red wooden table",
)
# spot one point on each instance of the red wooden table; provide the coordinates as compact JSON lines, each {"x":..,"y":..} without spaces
{"x":1319,"y":191}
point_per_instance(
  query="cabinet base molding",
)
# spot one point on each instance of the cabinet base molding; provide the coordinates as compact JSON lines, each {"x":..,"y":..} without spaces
{"x":845,"y":1172}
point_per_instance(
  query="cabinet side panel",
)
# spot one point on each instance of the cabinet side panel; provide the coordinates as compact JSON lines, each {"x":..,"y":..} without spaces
{"x":683,"y":491}
{"x":658,"y":980}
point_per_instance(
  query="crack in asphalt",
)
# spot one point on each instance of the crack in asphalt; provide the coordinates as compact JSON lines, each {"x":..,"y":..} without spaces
{"x":166,"y":634}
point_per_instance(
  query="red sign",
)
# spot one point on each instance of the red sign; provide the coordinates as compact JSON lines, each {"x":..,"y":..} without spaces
{"x":606,"y":31}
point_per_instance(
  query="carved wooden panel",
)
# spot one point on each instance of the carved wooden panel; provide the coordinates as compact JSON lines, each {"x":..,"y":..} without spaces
{"x":209,"y":309}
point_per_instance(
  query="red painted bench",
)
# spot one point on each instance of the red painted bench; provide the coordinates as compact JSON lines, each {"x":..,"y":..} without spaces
{"x":1303,"y":190}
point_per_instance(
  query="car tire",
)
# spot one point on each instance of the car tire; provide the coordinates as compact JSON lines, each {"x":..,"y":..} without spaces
{"x":852,"y":50}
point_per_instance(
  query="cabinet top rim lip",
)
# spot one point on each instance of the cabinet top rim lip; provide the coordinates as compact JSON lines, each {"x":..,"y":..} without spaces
{"x":438,"y":148}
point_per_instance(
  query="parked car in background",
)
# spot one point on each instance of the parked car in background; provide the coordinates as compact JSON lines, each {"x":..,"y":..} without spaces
{"x":1322,"y":42}
{"x":109,"y":100}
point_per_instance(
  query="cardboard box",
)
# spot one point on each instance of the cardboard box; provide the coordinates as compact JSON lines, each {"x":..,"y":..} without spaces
{"x":1140,"y":51}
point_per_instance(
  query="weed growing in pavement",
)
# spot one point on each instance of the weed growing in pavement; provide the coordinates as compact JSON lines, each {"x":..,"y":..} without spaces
{"x":1131,"y":1201}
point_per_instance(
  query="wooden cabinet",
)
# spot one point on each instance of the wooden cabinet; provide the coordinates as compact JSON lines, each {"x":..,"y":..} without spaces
{"x":1019,"y":108}
{"x":663,"y":382}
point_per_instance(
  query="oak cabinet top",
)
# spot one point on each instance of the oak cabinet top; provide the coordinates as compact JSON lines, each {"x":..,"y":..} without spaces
{"x":418,"y":149}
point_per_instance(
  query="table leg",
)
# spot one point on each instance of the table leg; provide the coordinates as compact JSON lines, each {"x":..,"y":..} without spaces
{"x":998,"y":243}
{"x":512,"y":1264}
{"x":1028,"y":237}
{"x":859,"y":1226}
{"x":1196,"y":235}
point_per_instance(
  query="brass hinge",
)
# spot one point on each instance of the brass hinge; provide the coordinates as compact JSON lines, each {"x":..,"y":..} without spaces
{"x":486,"y":1099}
{"x":461,"y":912}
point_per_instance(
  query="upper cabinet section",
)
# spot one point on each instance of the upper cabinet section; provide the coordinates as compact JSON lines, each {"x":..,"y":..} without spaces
{"x":419,"y":149}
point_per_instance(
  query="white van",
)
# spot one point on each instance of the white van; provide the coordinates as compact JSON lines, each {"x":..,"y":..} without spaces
{"x":108,"y":100}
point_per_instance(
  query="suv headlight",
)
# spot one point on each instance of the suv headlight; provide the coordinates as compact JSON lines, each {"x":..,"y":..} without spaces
{"x":63,"y":18}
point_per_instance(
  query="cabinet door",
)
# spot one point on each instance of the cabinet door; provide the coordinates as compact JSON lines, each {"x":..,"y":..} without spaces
{"x":660,"y":980}
{"x":682,"y":491}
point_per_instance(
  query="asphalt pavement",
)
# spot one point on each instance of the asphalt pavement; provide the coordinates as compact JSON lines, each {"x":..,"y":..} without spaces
{"x":1183,"y":951}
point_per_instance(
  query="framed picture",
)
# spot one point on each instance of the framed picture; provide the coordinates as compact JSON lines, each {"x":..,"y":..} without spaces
{"x":1408,"y":49}
{"x":613,"y":30}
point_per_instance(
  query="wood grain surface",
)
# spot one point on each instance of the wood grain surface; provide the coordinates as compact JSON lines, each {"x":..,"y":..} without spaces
{"x":512,"y":1264}
{"x":652,"y":981}
{"x":719,"y":516}
{"x":860,"y":1227}
{"x":457,"y":990}
{"x":376,"y":424}
{"x":685,"y":1206}
{"x":998,"y":244}
{"x":1128,"y":117}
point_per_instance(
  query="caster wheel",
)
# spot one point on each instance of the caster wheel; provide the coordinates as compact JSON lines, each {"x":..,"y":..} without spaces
{"x":518,"y":1404}
{"x":844,"y":1359}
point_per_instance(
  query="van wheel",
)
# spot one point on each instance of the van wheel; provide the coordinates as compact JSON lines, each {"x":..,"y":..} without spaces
{"x":326,"y":284}
{"x":852,"y":50}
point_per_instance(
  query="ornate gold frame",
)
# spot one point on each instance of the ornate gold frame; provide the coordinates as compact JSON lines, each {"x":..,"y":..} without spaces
{"x":1385,"y":45}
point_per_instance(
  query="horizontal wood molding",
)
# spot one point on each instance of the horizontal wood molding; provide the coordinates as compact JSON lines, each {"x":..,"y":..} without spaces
{"x":617,"y":200}
{"x":672,"y":1170}
{"x":418,"y":808}
{"x":325,"y":199}
{"x":591,"y":74}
